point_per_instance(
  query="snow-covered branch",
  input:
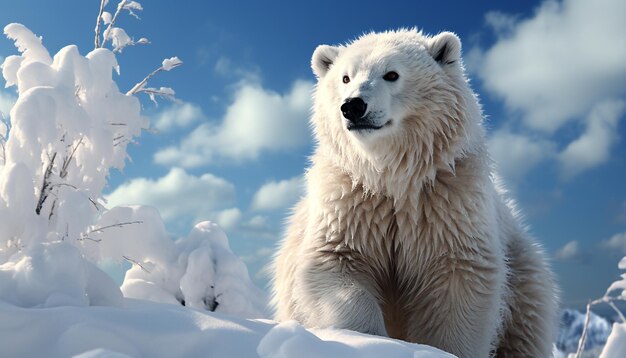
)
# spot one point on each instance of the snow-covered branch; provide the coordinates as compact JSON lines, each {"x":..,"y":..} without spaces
{"x":119,"y":38}
{"x":99,"y":20}
{"x":166,"y":92}
{"x":619,"y":285}
{"x":46,"y":185}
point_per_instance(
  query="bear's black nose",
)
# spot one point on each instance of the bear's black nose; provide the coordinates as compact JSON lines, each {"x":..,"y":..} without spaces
{"x":353,"y":109}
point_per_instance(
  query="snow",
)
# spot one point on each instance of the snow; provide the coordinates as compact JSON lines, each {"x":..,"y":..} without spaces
{"x":199,"y":270}
{"x":133,"y":5}
{"x":119,"y":38}
{"x":146,"y":329}
{"x":616,"y":344}
{"x":106,"y":17}
{"x":289,"y":339}
{"x":171,"y":62}
{"x":55,"y":274}
{"x":619,"y":285}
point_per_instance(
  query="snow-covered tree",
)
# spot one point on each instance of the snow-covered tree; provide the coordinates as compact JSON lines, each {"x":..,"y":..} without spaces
{"x":69,"y":127}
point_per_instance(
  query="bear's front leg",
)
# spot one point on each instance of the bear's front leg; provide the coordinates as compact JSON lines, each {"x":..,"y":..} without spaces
{"x":335,"y":298}
{"x":459,"y":312}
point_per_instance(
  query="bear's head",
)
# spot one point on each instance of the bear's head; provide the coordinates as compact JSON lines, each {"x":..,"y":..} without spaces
{"x":395,"y":102}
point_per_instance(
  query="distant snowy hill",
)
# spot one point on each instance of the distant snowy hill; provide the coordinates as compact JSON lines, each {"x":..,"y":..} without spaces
{"x":572,"y":323}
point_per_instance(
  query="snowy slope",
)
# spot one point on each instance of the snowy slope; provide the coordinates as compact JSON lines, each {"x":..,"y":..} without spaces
{"x":146,"y":329}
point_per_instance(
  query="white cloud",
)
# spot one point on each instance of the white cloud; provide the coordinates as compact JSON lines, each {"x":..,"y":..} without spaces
{"x":278,"y":195}
{"x":516,"y":154}
{"x":229,"y":218}
{"x":261,"y":254}
{"x":177,"y":116}
{"x":561,"y":69}
{"x":501,"y":23}
{"x":568,"y":251}
{"x":593,"y":147}
{"x":225,"y":67}
{"x":258,"y":221}
{"x":556,"y":65}
{"x":180,"y":196}
{"x":616,"y":242}
{"x":258,"y":120}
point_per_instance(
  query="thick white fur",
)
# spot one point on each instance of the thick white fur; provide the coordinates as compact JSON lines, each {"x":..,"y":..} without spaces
{"x":403,"y":231}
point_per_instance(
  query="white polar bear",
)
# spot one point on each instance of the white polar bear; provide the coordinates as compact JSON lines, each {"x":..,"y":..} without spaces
{"x":403,"y":231}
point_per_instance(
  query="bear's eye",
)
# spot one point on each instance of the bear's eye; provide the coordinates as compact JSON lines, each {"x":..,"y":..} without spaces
{"x":346,"y":79}
{"x":391,"y":76}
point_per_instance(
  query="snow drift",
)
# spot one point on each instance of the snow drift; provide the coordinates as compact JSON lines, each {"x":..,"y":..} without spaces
{"x":145,"y":329}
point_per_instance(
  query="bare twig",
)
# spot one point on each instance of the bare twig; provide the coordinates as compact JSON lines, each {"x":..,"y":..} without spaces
{"x":134,"y":262}
{"x":94,"y":204}
{"x":605,"y":299}
{"x":155,"y":91}
{"x":143,"y":82}
{"x":45,"y":186}
{"x":97,"y":39}
{"x":122,"y":224}
{"x":54,"y":204}
{"x":120,"y":142}
{"x":67,"y":160}
{"x":85,"y":236}
{"x":82,"y":238}
{"x":619,"y":313}
{"x":583,"y":338}
{"x":63,"y":184}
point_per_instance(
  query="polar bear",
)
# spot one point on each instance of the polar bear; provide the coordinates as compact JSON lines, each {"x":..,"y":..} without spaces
{"x":403,"y":231}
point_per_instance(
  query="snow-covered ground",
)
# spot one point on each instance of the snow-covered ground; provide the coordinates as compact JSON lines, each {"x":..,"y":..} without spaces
{"x":139,"y":328}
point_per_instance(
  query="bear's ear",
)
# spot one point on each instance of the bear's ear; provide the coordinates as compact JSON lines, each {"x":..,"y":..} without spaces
{"x":445,"y":48}
{"x":323,"y":58}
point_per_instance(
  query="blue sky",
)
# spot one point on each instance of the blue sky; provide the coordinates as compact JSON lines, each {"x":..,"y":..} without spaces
{"x":551,"y":77}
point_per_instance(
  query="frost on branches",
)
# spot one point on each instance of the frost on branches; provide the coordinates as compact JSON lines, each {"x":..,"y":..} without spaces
{"x":68,"y":128}
{"x":616,"y":343}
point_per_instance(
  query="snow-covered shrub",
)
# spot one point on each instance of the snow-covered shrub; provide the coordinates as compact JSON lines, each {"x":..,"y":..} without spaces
{"x":616,"y":342}
{"x":198,"y":271}
{"x":69,"y":127}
